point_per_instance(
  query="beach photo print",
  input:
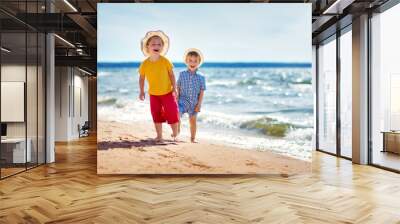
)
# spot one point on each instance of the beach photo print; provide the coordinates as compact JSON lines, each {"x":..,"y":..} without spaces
{"x":204,"y":88}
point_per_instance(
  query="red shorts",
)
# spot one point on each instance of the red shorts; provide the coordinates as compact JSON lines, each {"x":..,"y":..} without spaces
{"x":164,"y":108}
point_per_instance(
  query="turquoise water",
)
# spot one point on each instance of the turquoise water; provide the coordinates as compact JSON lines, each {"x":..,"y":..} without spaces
{"x":264,"y":108}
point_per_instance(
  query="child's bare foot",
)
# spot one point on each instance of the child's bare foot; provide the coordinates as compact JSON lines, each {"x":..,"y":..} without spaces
{"x":159,"y":140}
{"x":174,"y":137}
{"x":193,"y":140}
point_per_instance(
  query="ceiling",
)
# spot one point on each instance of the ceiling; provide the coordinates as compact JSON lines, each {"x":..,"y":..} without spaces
{"x":75,"y":21}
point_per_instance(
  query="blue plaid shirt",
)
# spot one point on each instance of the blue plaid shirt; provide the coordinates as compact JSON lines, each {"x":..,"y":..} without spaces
{"x":189,"y":85}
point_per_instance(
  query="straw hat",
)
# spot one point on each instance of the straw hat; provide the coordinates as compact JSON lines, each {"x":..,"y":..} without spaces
{"x":151,"y":34}
{"x":195,"y":50}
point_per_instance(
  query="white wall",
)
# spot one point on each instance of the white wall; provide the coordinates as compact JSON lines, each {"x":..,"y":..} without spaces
{"x":62,"y":82}
{"x":80,"y":89}
{"x":70,"y":83}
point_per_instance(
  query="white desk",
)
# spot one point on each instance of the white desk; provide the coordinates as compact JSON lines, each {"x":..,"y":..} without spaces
{"x":18,"y":149}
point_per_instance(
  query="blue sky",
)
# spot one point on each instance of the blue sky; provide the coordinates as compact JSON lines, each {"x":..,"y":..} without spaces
{"x":249,"y":32}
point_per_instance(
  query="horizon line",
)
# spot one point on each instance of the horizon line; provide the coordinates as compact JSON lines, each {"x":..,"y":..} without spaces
{"x":136,"y":64}
{"x":210,"y":62}
{"x":216,"y":64}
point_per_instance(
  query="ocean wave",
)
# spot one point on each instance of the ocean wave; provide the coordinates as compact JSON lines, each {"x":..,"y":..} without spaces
{"x":302,"y":81}
{"x":269,"y":126}
{"x":265,"y":85}
{"x":221,"y":83}
{"x":288,"y":110}
{"x":296,"y":145}
{"x":124,"y":91}
{"x":103,"y":73}
{"x":250,"y":81}
{"x":266,"y":125}
{"x":299,"y":118}
{"x":106,"y":101}
{"x":218,"y":119}
{"x":125,"y":111}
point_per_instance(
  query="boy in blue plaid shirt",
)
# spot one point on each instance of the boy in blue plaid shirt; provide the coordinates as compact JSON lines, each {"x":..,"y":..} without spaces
{"x":191,"y":85}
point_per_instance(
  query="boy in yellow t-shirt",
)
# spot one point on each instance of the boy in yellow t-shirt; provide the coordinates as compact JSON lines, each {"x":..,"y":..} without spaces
{"x":157,"y":70}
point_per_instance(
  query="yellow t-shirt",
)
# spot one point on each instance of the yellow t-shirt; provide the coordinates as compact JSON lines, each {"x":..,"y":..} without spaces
{"x":156,"y":73}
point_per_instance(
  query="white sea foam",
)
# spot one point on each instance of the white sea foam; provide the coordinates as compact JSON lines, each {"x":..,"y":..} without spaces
{"x":128,"y":111}
{"x":294,"y":147}
{"x":226,"y":83}
{"x":103,"y":74}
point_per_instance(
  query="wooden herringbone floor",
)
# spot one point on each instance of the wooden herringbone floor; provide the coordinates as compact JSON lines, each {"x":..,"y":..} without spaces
{"x":69,"y":191}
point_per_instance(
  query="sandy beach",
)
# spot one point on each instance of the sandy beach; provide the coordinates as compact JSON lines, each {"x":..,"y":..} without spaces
{"x":129,"y":149}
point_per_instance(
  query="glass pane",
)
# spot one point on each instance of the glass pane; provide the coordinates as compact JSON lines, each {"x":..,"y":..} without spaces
{"x":327,"y":97}
{"x":386,"y":89}
{"x":13,"y":87}
{"x":31,"y":98}
{"x":41,"y":98}
{"x":346,"y":94}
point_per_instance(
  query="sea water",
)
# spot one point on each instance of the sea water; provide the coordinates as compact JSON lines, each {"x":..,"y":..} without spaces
{"x":260,"y":107}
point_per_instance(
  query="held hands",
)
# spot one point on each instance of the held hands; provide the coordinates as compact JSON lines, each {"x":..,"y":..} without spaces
{"x":141,"y":95}
{"x":197,"y":108}
{"x":175,"y":92}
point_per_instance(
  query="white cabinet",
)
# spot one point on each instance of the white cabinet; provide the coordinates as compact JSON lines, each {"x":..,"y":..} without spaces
{"x":19,"y":155}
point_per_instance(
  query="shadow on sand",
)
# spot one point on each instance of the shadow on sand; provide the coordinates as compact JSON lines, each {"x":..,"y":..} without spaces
{"x":127,"y":144}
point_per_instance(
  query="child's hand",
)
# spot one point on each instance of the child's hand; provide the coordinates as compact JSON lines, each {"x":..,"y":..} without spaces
{"x":141,"y":96}
{"x":197,"y":108}
{"x":174,"y":91}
